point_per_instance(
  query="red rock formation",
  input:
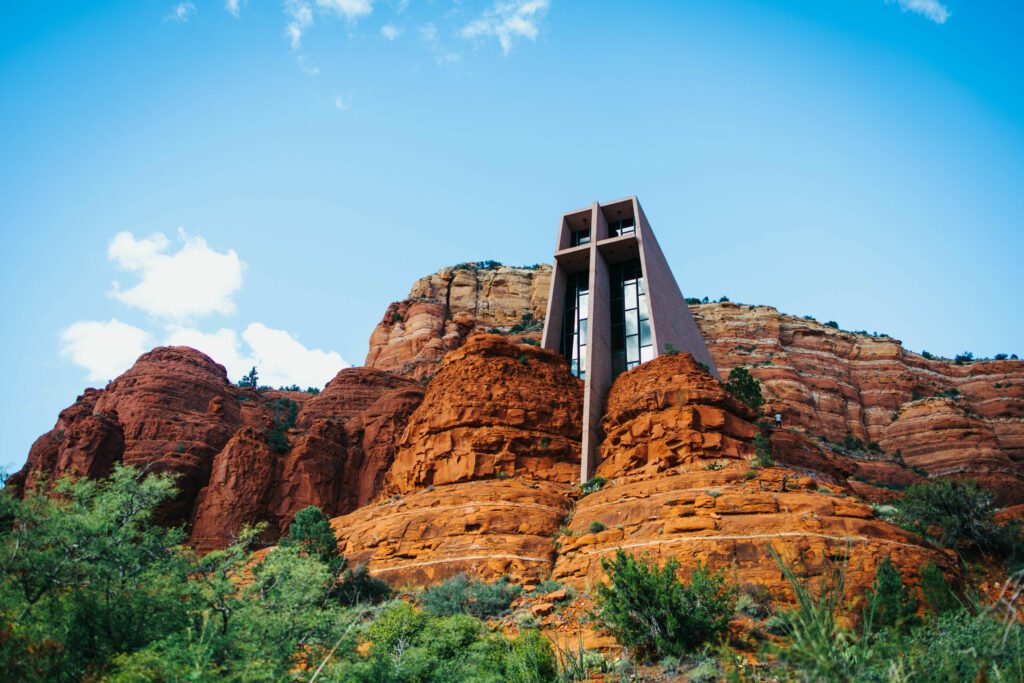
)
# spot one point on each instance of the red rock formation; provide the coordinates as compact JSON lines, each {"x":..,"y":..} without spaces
{"x":826,"y":382}
{"x":84,"y":442}
{"x":494,"y":408}
{"x":481,"y":478}
{"x":343,"y":441}
{"x":681,"y":483}
{"x":443,"y":309}
{"x":486,"y":529}
{"x":943,"y":438}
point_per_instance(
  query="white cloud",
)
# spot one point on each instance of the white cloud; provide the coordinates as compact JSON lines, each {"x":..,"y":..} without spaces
{"x":300,"y":18}
{"x":104,"y":349}
{"x":508,"y":20}
{"x":278,"y":356}
{"x":352,"y":9}
{"x":181,"y":12}
{"x":931,"y":9}
{"x":340,"y":103}
{"x":390,"y":31}
{"x":223,"y":346}
{"x":194,"y":281}
{"x":233,"y":6}
{"x":283,"y":360}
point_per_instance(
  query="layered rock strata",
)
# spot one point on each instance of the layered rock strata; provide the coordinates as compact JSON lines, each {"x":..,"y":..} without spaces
{"x":681,"y":482}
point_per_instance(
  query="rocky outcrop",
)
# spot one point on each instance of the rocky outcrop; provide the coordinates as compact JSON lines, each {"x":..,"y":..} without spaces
{"x":941,"y":437}
{"x":487,"y":529}
{"x":681,"y":482}
{"x":483,"y":473}
{"x":443,"y":309}
{"x":343,"y":441}
{"x":83,"y":443}
{"x":826,"y":382}
{"x":494,"y":409}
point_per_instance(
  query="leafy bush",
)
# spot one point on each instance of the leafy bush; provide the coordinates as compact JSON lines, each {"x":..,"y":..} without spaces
{"x":763,"y":451}
{"x":833,"y":324}
{"x":596,"y":527}
{"x":954,"y":513}
{"x":285,"y":411}
{"x":745,"y":388}
{"x":935,"y":591}
{"x":965,"y":358}
{"x":927,"y":355}
{"x":592,"y":485}
{"x":652,"y":612}
{"x":310,"y":531}
{"x":890,"y":602}
{"x":460,"y":595}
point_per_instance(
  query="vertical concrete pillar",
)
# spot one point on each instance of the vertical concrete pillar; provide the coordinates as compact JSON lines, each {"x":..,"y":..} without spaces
{"x":599,"y":352}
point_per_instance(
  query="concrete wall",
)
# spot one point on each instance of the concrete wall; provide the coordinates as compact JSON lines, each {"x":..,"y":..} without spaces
{"x":670,"y":317}
{"x":671,"y":321}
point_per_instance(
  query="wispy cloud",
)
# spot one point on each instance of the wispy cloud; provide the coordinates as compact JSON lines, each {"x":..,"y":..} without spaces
{"x":429,"y":35}
{"x":507,"y":21}
{"x":933,"y":10}
{"x":341,"y":103}
{"x":181,"y":12}
{"x":300,"y":18}
{"x":234,"y":7}
{"x":352,"y":9}
{"x":390,"y":31}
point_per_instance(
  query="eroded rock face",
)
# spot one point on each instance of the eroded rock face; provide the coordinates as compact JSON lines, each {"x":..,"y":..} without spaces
{"x":343,"y":441}
{"x":942,"y":437}
{"x":83,"y":443}
{"x":486,"y":529}
{"x":494,"y":409}
{"x":681,"y":483}
{"x":443,"y":309}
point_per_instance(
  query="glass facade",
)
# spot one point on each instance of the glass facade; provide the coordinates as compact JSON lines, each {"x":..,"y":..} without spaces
{"x":627,"y":226}
{"x":580,"y":237}
{"x":574,"y":323}
{"x":631,"y":324}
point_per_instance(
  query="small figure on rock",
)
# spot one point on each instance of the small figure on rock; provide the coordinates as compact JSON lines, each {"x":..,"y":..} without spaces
{"x":778,"y":420}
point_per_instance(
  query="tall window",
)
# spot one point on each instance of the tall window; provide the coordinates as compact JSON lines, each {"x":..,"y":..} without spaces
{"x":574,"y":324}
{"x":580,"y":237}
{"x":631,"y":324}
{"x":627,"y":226}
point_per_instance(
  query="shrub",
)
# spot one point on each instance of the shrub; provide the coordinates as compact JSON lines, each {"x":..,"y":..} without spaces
{"x":964,"y":358}
{"x":1000,"y":356}
{"x":652,"y":612}
{"x":692,"y":301}
{"x":358,"y":586}
{"x":723,"y":300}
{"x":745,"y":388}
{"x":927,"y":355}
{"x":285,"y":411}
{"x":310,"y":531}
{"x":890,"y":602}
{"x":954,"y":513}
{"x":592,"y":485}
{"x":250,"y":381}
{"x":596,"y":527}
{"x":833,"y":324}
{"x":669,"y":349}
{"x":935,"y":591}
{"x":460,"y":595}
{"x":523,"y":359}
{"x":763,"y":451}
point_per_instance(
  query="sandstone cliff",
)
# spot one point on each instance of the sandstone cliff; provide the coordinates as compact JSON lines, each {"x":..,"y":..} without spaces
{"x":845,"y":388}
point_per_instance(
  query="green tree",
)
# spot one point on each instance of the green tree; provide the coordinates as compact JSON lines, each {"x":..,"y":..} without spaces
{"x":937,"y":595}
{"x":890,"y":602}
{"x":955,"y":513}
{"x":250,"y":380}
{"x":763,"y":450}
{"x":652,"y":612}
{"x":745,"y":388}
{"x":311,"y":532}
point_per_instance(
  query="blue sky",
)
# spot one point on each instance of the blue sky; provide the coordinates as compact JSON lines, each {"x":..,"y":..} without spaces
{"x":305,"y":161}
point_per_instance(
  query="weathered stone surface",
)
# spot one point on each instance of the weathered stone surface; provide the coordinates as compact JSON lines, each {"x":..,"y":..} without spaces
{"x":443,"y":309}
{"x":687,"y":488}
{"x":84,"y":442}
{"x":494,"y":409}
{"x":486,"y":529}
{"x":944,"y":438}
{"x":343,"y":441}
